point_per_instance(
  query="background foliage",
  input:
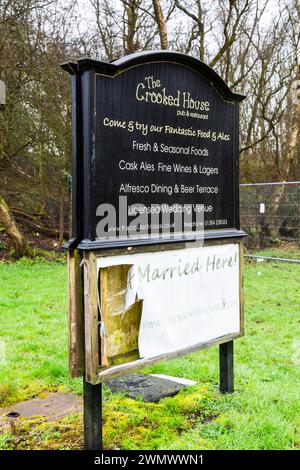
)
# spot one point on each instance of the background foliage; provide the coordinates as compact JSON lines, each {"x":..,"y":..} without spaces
{"x":252,"y":44}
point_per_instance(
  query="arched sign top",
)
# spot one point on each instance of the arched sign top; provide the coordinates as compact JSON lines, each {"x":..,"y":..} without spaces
{"x":155,"y":151}
{"x":134,"y":60}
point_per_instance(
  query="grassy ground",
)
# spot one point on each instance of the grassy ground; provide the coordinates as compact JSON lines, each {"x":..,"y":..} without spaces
{"x":263,"y":413}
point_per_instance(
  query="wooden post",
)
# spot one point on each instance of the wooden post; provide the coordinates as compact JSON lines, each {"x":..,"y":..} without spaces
{"x":226,"y":367}
{"x":92,"y":416}
{"x":76,"y":314}
{"x":91,"y":318}
{"x":92,"y":394}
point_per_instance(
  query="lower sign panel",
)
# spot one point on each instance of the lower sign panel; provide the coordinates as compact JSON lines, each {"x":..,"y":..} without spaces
{"x":163,"y":304}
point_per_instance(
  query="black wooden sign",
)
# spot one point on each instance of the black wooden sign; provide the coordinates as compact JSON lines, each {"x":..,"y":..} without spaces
{"x":155,"y":135}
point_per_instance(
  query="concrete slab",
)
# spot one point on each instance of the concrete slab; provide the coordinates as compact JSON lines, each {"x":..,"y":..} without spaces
{"x":151,"y":388}
{"x":53,"y":406}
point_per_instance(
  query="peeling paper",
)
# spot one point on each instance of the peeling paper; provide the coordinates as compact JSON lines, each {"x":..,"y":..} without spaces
{"x":189,"y":296}
{"x":134,"y":287}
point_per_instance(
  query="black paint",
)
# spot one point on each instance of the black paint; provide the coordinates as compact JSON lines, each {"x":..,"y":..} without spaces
{"x":226,"y":367}
{"x":92,"y":416}
{"x":108,"y":90}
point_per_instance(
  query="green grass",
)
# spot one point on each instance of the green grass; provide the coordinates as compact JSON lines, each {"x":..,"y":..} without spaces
{"x":263,"y":413}
{"x":33,"y":334}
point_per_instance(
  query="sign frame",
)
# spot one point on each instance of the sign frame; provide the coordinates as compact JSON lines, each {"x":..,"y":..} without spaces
{"x":83,"y":249}
{"x":94,"y":372}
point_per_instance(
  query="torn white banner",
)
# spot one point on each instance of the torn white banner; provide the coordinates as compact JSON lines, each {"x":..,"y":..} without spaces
{"x":189,"y":296}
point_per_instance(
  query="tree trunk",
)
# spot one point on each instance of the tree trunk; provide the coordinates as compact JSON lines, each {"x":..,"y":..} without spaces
{"x":161,"y":23}
{"x":10,"y":226}
{"x":201,"y":31}
{"x":131,"y":44}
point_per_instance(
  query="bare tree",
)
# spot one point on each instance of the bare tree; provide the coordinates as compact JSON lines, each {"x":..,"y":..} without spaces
{"x":161,"y":23}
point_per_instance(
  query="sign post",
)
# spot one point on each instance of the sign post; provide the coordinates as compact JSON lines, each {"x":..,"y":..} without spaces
{"x":226,"y":367}
{"x":155,"y":258}
{"x":92,"y":415}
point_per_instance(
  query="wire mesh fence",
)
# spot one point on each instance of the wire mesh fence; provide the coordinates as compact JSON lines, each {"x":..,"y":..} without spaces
{"x":270,"y":211}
